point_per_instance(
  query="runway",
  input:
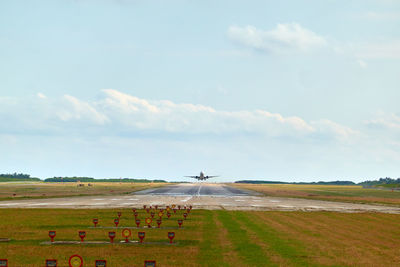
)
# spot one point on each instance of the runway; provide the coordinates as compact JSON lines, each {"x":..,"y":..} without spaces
{"x":200,"y":189}
{"x":200,"y":196}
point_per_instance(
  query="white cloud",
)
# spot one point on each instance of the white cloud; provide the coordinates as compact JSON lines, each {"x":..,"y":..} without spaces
{"x":362,"y":63}
{"x":292,"y":37}
{"x":189,"y":118}
{"x":117,"y":112}
{"x":385,"y":121}
{"x":42,"y":96}
{"x":381,"y":50}
{"x":76,"y":109}
{"x":332,"y":128}
{"x":284,"y":38}
{"x":163,"y":115}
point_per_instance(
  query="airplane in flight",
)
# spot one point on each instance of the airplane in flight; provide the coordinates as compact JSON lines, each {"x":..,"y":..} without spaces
{"x":201,"y":177}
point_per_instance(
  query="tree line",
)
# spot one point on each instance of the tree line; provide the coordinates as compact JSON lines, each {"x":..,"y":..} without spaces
{"x":93,"y":180}
{"x":9,"y":177}
{"x":278,"y":182}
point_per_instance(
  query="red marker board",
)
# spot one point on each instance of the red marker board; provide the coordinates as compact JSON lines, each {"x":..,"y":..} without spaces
{"x":126,"y":233}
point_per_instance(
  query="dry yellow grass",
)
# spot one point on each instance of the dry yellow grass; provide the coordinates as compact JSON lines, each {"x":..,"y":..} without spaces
{"x":341,"y":238}
{"x":43,"y":190}
{"x":342,"y":193}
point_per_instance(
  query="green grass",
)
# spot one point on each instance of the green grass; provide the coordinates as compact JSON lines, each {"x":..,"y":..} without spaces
{"x":281,"y":244}
{"x":209,"y":238}
{"x":210,"y":247}
{"x":251,"y":253}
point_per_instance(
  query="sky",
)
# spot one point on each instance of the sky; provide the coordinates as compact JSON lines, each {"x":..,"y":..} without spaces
{"x":265,"y":90}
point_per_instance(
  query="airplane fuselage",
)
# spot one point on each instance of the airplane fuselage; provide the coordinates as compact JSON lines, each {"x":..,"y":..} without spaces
{"x":201,"y":177}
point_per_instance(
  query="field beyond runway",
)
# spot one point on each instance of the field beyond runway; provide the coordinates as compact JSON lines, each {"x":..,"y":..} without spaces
{"x":200,"y":196}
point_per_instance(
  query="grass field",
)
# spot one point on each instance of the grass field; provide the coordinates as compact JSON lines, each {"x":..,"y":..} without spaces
{"x":23,"y":190}
{"x":342,"y":193}
{"x":209,"y":238}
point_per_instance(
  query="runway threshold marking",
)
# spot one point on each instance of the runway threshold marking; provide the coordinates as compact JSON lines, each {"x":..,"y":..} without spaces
{"x":186,"y":199}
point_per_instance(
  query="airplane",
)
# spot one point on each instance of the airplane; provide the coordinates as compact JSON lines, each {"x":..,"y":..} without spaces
{"x":201,"y":177}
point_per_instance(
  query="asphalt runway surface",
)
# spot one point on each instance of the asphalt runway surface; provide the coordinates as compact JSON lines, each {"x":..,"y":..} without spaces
{"x":199,"y":189}
{"x":200,"y":196}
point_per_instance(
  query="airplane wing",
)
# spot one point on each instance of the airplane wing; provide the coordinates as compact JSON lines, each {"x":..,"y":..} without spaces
{"x":212,"y":176}
{"x":196,"y":177}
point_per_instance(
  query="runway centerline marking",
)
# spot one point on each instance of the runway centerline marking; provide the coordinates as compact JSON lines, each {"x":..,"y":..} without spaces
{"x":198,"y":191}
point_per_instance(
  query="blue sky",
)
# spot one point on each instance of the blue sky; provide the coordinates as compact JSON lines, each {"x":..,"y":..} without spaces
{"x":288,"y":90}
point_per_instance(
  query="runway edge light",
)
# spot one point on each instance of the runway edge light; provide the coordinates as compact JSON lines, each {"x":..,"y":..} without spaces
{"x":82,"y":235}
{"x":51,"y":263}
{"x":171,"y":236}
{"x":52,"y":235}
{"x":111,"y":235}
{"x":100,"y":263}
{"x":149,"y":263}
{"x":141,"y":236}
